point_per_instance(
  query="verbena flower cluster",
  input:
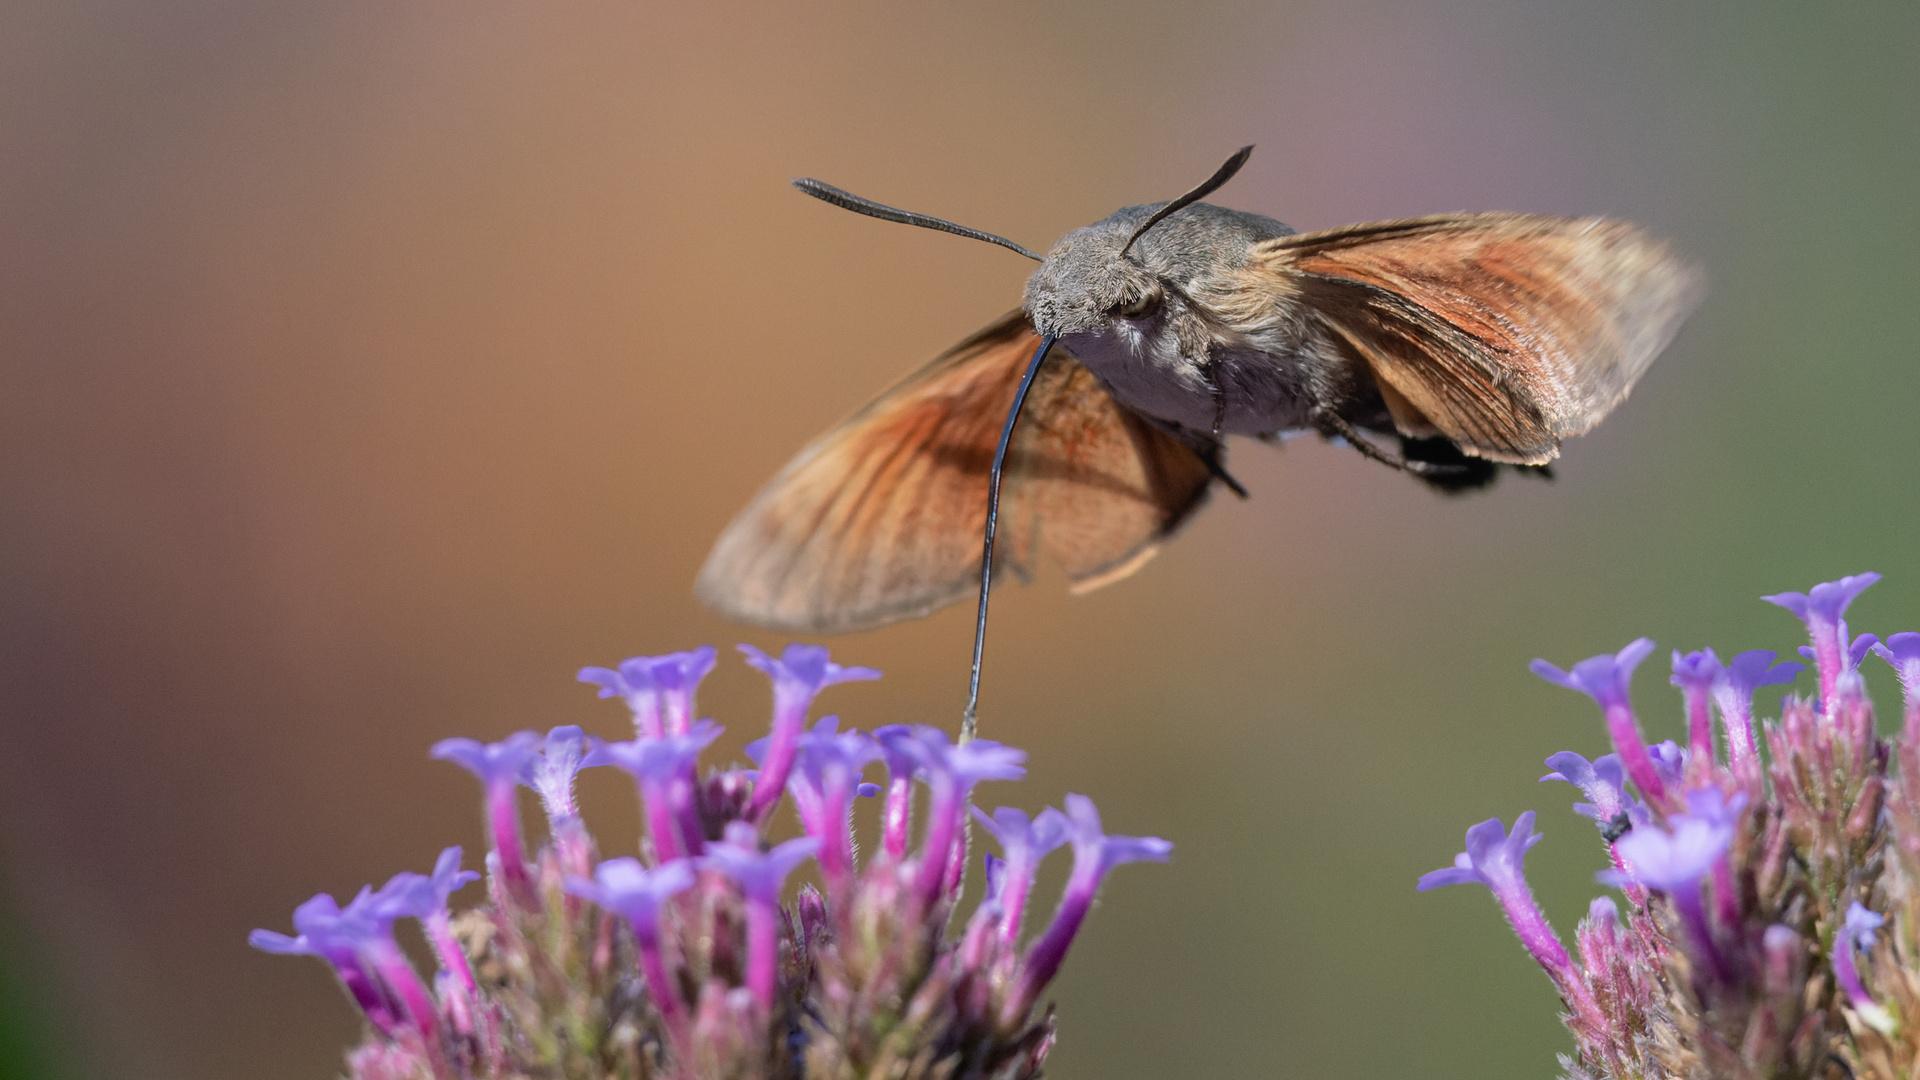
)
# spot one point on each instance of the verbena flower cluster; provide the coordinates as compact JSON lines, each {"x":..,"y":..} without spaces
{"x":685,"y":962}
{"x":1772,"y":900}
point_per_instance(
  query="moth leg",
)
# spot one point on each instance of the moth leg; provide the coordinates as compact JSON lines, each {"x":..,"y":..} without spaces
{"x":1468,"y":473}
{"x":1221,"y":474}
{"x":1219,"y":402}
{"x":1207,"y":449}
{"x":1329,"y":422}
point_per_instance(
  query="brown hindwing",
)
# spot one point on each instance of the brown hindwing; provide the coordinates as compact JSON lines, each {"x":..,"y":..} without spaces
{"x":881,"y":518}
{"x":1506,"y":332}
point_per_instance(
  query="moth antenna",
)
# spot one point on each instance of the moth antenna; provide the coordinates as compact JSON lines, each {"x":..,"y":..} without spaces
{"x":846,"y":200}
{"x":1212,"y":184}
{"x":967,"y":721}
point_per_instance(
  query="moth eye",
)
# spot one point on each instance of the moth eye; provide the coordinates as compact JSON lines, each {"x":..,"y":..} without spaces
{"x":1138,"y":306}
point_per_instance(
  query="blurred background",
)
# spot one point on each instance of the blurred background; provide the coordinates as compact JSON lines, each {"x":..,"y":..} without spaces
{"x":365,"y":369}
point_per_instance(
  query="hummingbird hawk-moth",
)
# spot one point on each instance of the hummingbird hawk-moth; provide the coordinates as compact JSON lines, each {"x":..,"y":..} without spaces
{"x":1445,"y":346}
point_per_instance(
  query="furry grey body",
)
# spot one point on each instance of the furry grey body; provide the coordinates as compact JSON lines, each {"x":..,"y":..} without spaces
{"x":1179,"y":360}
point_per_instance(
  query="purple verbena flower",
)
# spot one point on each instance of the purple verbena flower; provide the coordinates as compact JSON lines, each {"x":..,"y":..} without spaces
{"x":1715,"y":807}
{"x":902,"y":764}
{"x":1856,"y":932}
{"x":322,"y":929}
{"x":830,"y":764}
{"x":1672,"y":861}
{"x":1733,"y":692}
{"x":1695,"y":674}
{"x":1025,"y":842}
{"x":659,"y":689}
{"x":1824,"y":611}
{"x":1902,"y":653}
{"x":1094,"y":853}
{"x":550,"y":772}
{"x":1670,"y":761}
{"x":447,"y":879}
{"x":423,"y":897}
{"x":760,"y":877}
{"x":358,"y":941}
{"x":664,"y":769}
{"x":722,"y":980}
{"x":1605,"y":679}
{"x":634,"y":892}
{"x":994,"y":870}
{"x":418,"y":896}
{"x":1600,"y":780}
{"x":637,"y":894}
{"x":951,"y":773}
{"x":499,"y":766}
{"x":800,"y":673}
{"x":1495,"y":858}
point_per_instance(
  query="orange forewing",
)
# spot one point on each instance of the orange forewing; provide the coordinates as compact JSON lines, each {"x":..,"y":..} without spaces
{"x":1505,"y":332}
{"x":881,"y":518}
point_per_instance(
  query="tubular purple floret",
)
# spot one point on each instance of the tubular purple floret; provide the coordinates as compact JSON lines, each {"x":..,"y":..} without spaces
{"x":1902,"y":653}
{"x":664,"y":770}
{"x":659,"y":689}
{"x":1712,"y":805}
{"x":1026,"y":842}
{"x":358,"y":941}
{"x":678,"y":676}
{"x":1670,"y":762}
{"x":1733,"y":692}
{"x":830,"y":766}
{"x":632,"y":682}
{"x":980,"y":934}
{"x":951,"y":773}
{"x":396,"y":971}
{"x":760,"y":877}
{"x":1605,"y":679}
{"x":1094,"y":853}
{"x":1856,"y":932}
{"x":323,"y":930}
{"x":550,"y":772}
{"x":800,"y":673}
{"x":1695,"y":673}
{"x":424,"y":897}
{"x":637,"y":895}
{"x":1495,"y":858}
{"x":498,"y":766}
{"x":1672,"y":861}
{"x":1600,"y":780}
{"x":405,"y":895}
{"x":1823,"y":610}
{"x":897,"y":827}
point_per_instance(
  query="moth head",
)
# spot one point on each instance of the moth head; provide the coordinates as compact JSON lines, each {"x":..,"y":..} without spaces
{"x":1110,"y":276}
{"x":1126,"y":268}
